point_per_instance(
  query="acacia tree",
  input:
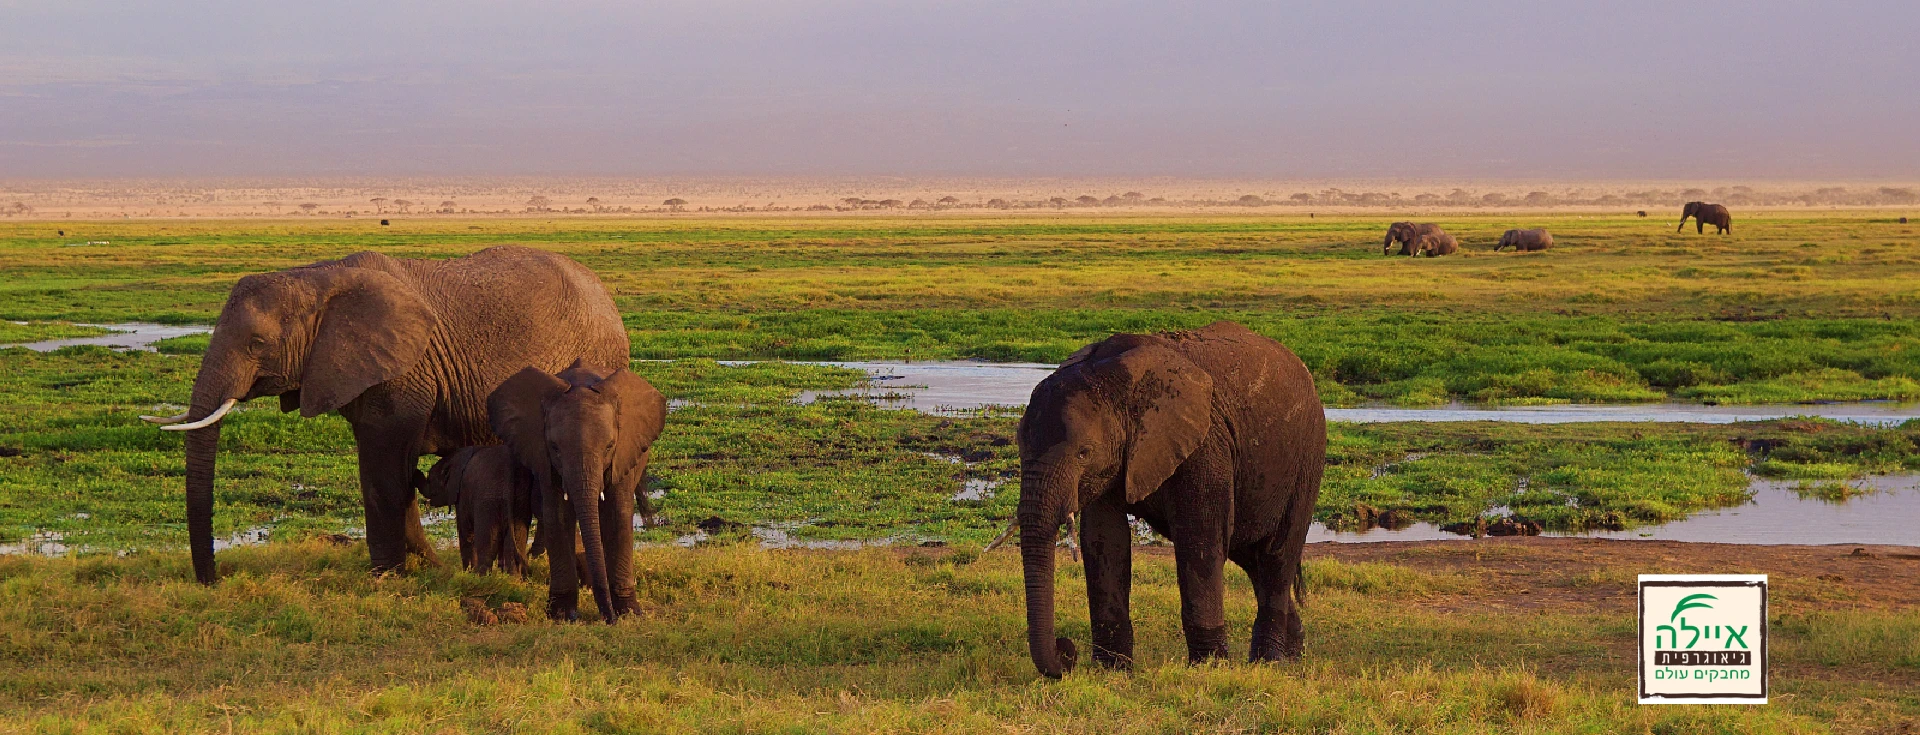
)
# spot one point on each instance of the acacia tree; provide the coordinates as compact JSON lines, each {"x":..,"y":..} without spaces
{"x":378,"y":203}
{"x":539,"y":203}
{"x":403,"y":204}
{"x":308,"y":207}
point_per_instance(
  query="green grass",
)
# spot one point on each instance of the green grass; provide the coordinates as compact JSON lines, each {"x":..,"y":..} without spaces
{"x":298,"y":638}
{"x":1795,"y":308}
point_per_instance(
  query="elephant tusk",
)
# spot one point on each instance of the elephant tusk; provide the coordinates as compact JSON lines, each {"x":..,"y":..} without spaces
{"x":210,"y":420}
{"x":166,"y":419}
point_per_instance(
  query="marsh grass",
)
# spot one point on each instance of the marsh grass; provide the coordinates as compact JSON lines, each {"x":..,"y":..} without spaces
{"x":740,"y":450}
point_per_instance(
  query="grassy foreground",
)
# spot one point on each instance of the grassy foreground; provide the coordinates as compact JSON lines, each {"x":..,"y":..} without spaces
{"x":297,"y":638}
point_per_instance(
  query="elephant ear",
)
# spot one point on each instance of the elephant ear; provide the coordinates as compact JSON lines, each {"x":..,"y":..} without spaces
{"x":639,"y":414}
{"x":373,"y":328}
{"x":1168,"y":408}
{"x":517,"y":412}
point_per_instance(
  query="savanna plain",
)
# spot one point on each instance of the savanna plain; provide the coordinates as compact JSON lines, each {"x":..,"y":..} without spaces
{"x":923,"y":630}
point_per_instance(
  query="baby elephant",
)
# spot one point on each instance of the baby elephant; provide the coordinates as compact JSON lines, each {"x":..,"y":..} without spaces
{"x":493,"y":506}
{"x":583,"y":437}
{"x":1525,"y":240}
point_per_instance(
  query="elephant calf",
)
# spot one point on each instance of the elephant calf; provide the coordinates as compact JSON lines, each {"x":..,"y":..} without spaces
{"x":584,"y":436}
{"x":1525,"y":240}
{"x":1216,"y":438}
{"x":493,"y":506}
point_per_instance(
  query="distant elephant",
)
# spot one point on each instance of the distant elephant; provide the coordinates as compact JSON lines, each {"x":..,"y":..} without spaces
{"x":1525,"y":240}
{"x":406,"y":350}
{"x":493,"y":506}
{"x":1417,"y":238}
{"x":584,"y":436}
{"x":1704,"y":214}
{"x":1214,"y":437}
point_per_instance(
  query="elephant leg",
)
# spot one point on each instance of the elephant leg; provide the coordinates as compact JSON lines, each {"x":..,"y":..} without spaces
{"x":387,"y":467}
{"x":1277,"y":631}
{"x":486,"y":544}
{"x":616,"y":539}
{"x":463,"y":524}
{"x":563,"y":570}
{"x":1202,"y":517}
{"x":1106,"y":543}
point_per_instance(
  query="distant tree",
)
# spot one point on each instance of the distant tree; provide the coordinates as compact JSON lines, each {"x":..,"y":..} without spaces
{"x":949,"y":200}
{"x":889,"y":203}
{"x":1494,"y":198}
{"x":1302,"y":197}
{"x":447,"y":206}
{"x":1058,"y":201}
{"x":1691,"y":193}
{"x":1250,"y":200}
{"x":271,"y":204}
{"x":403,"y":204}
{"x":308,"y":207}
{"x":1001,"y":203}
{"x":676,"y":202}
{"x":1538,"y":197}
{"x":1898,"y":195}
{"x":378,"y":204}
{"x":539,"y":203}
{"x":1086,"y":199}
{"x":1134,"y":197}
{"x":593,"y":203}
{"x":1425,"y":198}
{"x":918,"y":204}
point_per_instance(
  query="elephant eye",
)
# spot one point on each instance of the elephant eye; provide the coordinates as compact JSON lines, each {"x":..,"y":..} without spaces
{"x":1085,"y":452}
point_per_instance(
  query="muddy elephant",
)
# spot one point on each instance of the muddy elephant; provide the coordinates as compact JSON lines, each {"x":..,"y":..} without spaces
{"x":405,"y":350}
{"x":1704,"y":214}
{"x":493,"y":506}
{"x":584,"y":436}
{"x":1525,"y":240}
{"x":1214,"y":437}
{"x":1418,"y":238}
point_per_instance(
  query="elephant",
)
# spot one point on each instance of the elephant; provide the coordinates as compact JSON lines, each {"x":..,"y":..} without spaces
{"x":584,"y":436}
{"x":493,"y":506}
{"x":1216,"y":438}
{"x":405,"y":350}
{"x":1525,"y":240}
{"x":1418,"y":238}
{"x":1704,"y":214}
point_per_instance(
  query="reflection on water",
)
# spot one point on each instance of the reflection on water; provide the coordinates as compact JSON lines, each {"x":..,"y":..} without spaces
{"x":1888,"y":512}
{"x":129,"y":336}
{"x":946,"y":387}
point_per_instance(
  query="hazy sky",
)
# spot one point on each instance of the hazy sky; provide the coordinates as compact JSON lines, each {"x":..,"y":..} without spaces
{"x":1673,"y":89}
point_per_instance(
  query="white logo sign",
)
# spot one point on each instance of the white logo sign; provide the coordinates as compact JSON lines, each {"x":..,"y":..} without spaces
{"x":1703,"y":639}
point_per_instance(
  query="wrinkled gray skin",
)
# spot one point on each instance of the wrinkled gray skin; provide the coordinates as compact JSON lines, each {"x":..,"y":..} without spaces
{"x":1419,"y":238}
{"x":584,"y":436}
{"x":406,"y":350}
{"x":1704,"y":214}
{"x":1525,"y":240}
{"x":1216,"y":438}
{"x":493,"y":506}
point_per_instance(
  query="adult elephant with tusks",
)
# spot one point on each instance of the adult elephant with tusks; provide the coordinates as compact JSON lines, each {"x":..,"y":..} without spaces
{"x":1216,"y":438}
{"x":1417,"y":238}
{"x":406,"y":351}
{"x":1704,"y":214}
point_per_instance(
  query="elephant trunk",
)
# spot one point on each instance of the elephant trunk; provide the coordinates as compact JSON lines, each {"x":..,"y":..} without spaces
{"x":1041,"y":512}
{"x":216,"y":386}
{"x":586,"y":507}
